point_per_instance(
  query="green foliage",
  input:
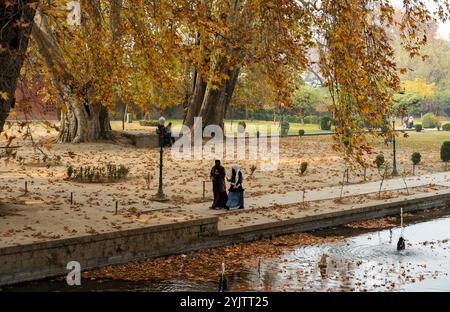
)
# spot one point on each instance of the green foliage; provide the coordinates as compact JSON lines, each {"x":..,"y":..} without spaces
{"x":108,"y":173}
{"x":418,"y":127}
{"x":311,"y":119}
{"x":301,"y":132}
{"x":306,"y":99}
{"x":148,"y":123}
{"x":292,"y":118}
{"x":429,"y":120}
{"x":379,"y":161}
{"x":242,"y":124}
{"x":409,"y":102}
{"x":443,"y":99}
{"x":325,"y":123}
{"x":69,"y":171}
{"x":362,"y":124}
{"x":416,"y":158}
{"x":284,"y":128}
{"x":303,"y":167}
{"x":446,"y":127}
{"x":445,"y":151}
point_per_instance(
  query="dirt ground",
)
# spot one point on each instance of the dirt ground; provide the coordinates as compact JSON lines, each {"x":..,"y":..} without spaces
{"x":48,"y":190}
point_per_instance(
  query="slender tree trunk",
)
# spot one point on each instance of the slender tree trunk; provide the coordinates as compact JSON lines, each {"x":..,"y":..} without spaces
{"x":16,"y":21}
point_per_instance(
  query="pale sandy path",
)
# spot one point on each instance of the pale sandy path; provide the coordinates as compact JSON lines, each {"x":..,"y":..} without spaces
{"x":326,"y":193}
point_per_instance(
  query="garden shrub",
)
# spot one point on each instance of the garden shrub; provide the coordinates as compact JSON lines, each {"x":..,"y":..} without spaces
{"x":303,"y":167}
{"x":242,"y":124}
{"x":148,"y":123}
{"x":284,"y":128}
{"x":429,"y":120}
{"x":325,"y":123}
{"x":379,"y":160}
{"x":98,"y":174}
{"x":445,"y":151}
{"x":418,"y":127}
{"x":301,"y":132}
{"x":415,"y":158}
{"x":446,"y":127}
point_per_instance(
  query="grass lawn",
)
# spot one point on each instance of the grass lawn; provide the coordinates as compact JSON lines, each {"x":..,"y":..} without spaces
{"x":260,"y":125}
{"x":431,"y":139}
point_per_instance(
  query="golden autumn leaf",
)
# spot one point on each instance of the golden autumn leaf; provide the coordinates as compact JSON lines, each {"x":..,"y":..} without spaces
{"x":4,"y":95}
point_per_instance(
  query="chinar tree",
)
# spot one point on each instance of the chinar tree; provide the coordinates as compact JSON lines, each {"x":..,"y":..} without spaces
{"x":357,"y":62}
{"x":113,"y":55}
{"x":140,"y":51}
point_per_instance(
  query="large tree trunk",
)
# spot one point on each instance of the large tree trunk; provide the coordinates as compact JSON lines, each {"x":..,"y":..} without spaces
{"x":82,"y":118}
{"x":16,"y":21}
{"x":83,"y":122}
{"x":217,"y":100}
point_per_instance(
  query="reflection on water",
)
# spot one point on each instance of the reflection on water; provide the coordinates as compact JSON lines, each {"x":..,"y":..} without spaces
{"x":367,"y":262}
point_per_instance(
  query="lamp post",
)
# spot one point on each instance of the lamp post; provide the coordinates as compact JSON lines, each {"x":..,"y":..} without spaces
{"x":394,"y":164}
{"x":160,"y":196}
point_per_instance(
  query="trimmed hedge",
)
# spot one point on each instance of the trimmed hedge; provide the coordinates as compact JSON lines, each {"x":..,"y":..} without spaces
{"x":418,"y":127}
{"x":284,"y":128}
{"x":446,"y":127}
{"x":445,"y":151}
{"x":325,"y":123}
{"x":311,"y":120}
{"x":148,"y":123}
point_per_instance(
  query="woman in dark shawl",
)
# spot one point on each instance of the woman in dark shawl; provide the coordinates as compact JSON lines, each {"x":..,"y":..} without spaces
{"x":219,"y":188}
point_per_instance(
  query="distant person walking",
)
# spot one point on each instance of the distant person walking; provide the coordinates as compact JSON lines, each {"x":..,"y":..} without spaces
{"x":410,"y":122}
{"x":405,"y":122}
{"x":236,"y":191}
{"x":217,"y":176}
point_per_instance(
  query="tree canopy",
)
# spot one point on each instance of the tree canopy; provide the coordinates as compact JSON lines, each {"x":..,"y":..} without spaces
{"x":158,"y":53}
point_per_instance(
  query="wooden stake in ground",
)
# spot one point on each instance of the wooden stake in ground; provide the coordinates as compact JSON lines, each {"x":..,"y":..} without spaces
{"x":71,"y":198}
{"x":342,"y":186}
{"x":117,"y":207}
{"x":204,"y":189}
{"x":26,"y":187}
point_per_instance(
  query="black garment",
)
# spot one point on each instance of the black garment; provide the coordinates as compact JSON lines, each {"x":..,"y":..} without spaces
{"x":219,"y":188}
{"x":166,"y":136}
{"x":238,"y":183}
{"x":236,"y":195}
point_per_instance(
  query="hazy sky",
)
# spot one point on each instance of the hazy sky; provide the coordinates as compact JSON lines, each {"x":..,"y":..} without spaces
{"x":444,"y":28}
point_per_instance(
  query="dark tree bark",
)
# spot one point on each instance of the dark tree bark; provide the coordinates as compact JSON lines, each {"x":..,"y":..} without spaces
{"x":16,"y":21}
{"x":216,"y":101}
{"x":195,"y":100}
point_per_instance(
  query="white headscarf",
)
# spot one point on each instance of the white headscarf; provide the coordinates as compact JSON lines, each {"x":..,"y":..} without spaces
{"x":236,"y":169}
{"x":162,"y":120}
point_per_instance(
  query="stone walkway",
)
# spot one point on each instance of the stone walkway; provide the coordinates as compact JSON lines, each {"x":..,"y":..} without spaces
{"x":327,"y":193}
